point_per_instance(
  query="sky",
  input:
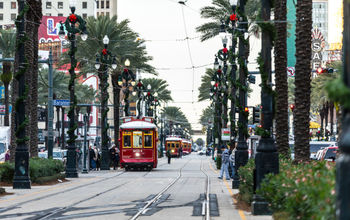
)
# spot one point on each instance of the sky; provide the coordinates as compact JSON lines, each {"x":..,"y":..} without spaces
{"x":163,"y":23}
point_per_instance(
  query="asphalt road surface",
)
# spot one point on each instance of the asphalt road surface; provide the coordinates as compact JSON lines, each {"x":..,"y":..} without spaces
{"x":188,"y":188}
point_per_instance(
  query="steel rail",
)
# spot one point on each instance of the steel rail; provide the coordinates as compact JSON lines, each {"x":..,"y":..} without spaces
{"x":149,"y":203}
{"x":206,"y":203}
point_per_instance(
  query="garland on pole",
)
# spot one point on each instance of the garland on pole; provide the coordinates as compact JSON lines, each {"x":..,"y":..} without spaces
{"x":20,"y":73}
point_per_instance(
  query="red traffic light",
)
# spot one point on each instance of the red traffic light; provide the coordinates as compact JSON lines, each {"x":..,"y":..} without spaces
{"x":319,"y":70}
{"x":292,"y":106}
{"x":246,"y":109}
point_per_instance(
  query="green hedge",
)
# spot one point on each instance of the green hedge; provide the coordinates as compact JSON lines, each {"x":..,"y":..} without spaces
{"x":246,"y":183}
{"x":304,"y":191}
{"x":38,"y":168}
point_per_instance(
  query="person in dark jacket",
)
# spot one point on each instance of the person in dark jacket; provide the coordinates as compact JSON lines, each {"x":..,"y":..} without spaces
{"x":113,"y":155}
{"x":91,"y":157}
{"x":168,"y":154}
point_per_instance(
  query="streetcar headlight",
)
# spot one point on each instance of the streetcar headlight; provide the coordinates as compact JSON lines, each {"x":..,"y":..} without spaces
{"x":137,"y":154}
{"x":172,"y":151}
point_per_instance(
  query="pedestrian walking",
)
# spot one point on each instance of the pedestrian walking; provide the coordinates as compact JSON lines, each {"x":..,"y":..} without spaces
{"x":117,"y":155}
{"x":97,"y":158}
{"x":168,"y":154}
{"x":180,"y":152}
{"x":232,"y":162}
{"x":92,"y":158}
{"x":7,"y":155}
{"x":112,"y":157}
{"x":225,"y":161}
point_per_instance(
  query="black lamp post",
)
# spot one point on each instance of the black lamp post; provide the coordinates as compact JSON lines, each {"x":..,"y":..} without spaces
{"x":155,"y":104}
{"x":103,"y":61}
{"x":241,"y":155}
{"x":138,"y":91}
{"x":127,"y":80}
{"x":343,"y":162}
{"x":21,"y":178}
{"x":72,"y":29}
{"x":266,"y":158}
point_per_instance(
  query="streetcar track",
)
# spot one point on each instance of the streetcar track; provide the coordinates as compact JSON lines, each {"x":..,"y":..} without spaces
{"x":66,"y":208}
{"x":206,"y":203}
{"x":62,"y":191}
{"x":159,"y":195}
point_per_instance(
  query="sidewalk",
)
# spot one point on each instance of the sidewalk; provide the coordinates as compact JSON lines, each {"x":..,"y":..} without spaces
{"x":226,"y":187}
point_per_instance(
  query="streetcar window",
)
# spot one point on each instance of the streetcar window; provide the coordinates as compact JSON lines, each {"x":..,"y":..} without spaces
{"x":137,"y":139}
{"x":148,"y":140}
{"x":168,"y":145}
{"x":172,"y":145}
{"x":177,"y":145}
{"x":127,"y":140}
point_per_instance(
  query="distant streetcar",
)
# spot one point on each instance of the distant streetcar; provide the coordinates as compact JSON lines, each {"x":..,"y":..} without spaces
{"x":138,"y":143}
{"x":173,"y":143}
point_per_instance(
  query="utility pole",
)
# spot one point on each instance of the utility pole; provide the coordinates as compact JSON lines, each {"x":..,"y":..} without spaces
{"x":266,"y":158}
{"x":343,"y":162}
{"x":21,"y":178}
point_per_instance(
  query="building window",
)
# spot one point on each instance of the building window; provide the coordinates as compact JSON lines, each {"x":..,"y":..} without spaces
{"x":107,"y":14}
{"x":48,"y":14}
{"x":13,"y":17}
{"x":13,"y":5}
{"x":102,"y":4}
{"x":84,"y":16}
{"x":60,"y":15}
{"x":60,"y":5}
{"x":102,"y":14}
{"x":97,"y":4}
{"x":48,"y":5}
{"x":84,"y":5}
{"x":1,"y":5}
{"x":1,"y":17}
{"x":107,"y":4}
{"x":98,"y":14}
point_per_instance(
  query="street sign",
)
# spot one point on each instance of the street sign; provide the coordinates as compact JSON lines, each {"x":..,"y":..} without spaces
{"x":291,"y":71}
{"x":61,"y":102}
{"x":2,"y":109}
{"x":225,"y":134}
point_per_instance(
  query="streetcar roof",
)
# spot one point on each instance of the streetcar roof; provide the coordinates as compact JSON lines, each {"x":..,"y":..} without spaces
{"x":138,"y":125}
{"x":173,"y":139}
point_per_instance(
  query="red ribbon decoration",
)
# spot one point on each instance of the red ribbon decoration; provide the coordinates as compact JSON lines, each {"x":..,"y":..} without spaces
{"x":219,"y":71}
{"x":73,"y":18}
{"x":104,"y":51}
{"x":224,"y":50}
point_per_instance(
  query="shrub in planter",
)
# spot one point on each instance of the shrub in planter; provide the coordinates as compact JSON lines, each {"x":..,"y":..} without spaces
{"x":246,"y":181}
{"x":218,"y":162}
{"x":303,"y":191}
{"x":7,"y":171}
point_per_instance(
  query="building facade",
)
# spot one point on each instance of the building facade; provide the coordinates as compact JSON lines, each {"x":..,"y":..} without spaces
{"x":106,"y":7}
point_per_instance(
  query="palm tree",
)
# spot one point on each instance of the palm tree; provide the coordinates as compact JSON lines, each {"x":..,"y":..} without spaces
{"x":302,"y":80}
{"x":204,"y":89}
{"x":282,"y":138}
{"x":7,"y":47}
{"x":160,"y":86}
{"x":207,"y":116}
{"x":219,"y":12}
{"x":174,"y":116}
{"x":123,"y":44}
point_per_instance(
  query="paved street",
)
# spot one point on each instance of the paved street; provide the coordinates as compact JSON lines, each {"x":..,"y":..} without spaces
{"x":121,"y":195}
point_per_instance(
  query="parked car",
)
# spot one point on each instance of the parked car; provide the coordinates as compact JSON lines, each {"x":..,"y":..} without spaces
{"x":42,"y":154}
{"x":315,"y":146}
{"x":329,"y":154}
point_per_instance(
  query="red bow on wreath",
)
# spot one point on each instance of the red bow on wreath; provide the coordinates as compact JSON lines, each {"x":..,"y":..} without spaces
{"x":219,"y":71}
{"x":72,"y":18}
{"x":224,"y":50}
{"x":233,"y":17}
{"x":125,"y":70}
{"x":104,"y":51}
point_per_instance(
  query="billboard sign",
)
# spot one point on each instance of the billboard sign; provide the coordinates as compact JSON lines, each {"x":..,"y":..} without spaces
{"x":225,"y":134}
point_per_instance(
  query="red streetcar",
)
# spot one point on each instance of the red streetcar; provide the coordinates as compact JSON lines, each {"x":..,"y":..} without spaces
{"x":186,"y":147}
{"x":138,"y":143}
{"x":173,"y":143}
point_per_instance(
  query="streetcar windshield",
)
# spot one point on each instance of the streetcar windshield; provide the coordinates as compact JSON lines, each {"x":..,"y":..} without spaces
{"x":172,"y":145}
{"x":137,"y":139}
{"x":127,"y":141}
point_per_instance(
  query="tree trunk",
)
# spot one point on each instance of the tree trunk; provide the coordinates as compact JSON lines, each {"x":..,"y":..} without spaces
{"x":326,"y":119}
{"x":322,"y":119}
{"x":116,"y":103}
{"x":281,"y":79}
{"x":303,"y":80}
{"x":14,"y":96}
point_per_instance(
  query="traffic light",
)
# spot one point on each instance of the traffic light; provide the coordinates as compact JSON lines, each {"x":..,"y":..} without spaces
{"x":251,"y":79}
{"x":321,"y":70}
{"x":256,"y":115}
{"x":292,"y":107}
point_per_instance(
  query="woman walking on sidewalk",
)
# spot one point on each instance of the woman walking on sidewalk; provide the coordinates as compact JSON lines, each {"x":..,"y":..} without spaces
{"x":225,"y":160}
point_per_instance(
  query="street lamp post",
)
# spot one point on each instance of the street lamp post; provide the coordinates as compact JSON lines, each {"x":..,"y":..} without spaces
{"x":103,"y":61}
{"x":70,"y":25}
{"x":21,"y":178}
{"x":241,"y":155}
{"x":266,"y":158}
{"x":86,"y":118}
{"x":343,"y":162}
{"x":129,"y":78}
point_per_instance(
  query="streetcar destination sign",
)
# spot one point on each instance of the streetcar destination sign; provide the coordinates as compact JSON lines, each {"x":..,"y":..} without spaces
{"x":61,"y":102}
